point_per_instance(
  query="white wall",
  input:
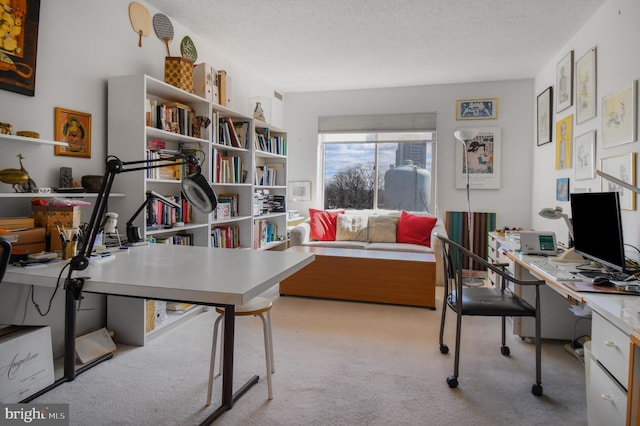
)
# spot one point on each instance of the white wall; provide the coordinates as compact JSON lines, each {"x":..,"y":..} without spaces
{"x":81,"y":44}
{"x":511,"y":202}
{"x":615,"y":32}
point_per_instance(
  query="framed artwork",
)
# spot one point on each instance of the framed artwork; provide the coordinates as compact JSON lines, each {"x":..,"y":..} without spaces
{"x":544,"y":114}
{"x":564,"y":82}
{"x":484,"y":160}
{"x":584,"y":155}
{"x":300,"y":191}
{"x":74,"y":128}
{"x":19,"y":46}
{"x":562,"y":189}
{"x":477,"y":109}
{"x":564,"y":131}
{"x":622,"y":167}
{"x":619,"y":116}
{"x":586,"y":86}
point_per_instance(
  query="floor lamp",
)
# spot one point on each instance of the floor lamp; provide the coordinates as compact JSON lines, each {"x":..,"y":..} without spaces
{"x":465,"y":135}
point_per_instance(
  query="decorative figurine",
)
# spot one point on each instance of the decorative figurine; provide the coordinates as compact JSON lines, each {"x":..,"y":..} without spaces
{"x":258,"y":112}
{"x":18,"y":178}
{"x":66,"y":177}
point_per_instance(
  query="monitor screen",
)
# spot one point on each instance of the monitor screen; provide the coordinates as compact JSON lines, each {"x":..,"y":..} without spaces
{"x":597,"y":228}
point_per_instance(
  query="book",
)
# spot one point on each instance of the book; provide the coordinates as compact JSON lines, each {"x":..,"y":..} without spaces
{"x":223,"y":210}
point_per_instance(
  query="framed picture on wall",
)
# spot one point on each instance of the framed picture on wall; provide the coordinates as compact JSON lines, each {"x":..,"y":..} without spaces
{"x":300,"y":191}
{"x":564,"y":135}
{"x":586,"y":86}
{"x":477,"y":109}
{"x":564,"y":82}
{"x":622,"y":167}
{"x":619,"y":116}
{"x":544,"y":114}
{"x":584,"y":155}
{"x":74,"y":128}
{"x":484,"y":160}
{"x":562,"y":189}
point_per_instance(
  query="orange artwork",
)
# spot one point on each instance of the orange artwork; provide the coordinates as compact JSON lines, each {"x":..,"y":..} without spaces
{"x":74,"y":128}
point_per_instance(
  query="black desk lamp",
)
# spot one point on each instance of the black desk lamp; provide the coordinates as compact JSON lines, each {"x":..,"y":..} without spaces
{"x":195,"y":188}
{"x":133,"y":232}
{"x":5,"y":255}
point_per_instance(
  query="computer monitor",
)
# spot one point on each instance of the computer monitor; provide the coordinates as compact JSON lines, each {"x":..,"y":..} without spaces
{"x":597,"y":228}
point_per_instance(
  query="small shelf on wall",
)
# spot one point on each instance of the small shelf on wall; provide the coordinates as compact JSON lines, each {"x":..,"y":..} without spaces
{"x":13,"y":138}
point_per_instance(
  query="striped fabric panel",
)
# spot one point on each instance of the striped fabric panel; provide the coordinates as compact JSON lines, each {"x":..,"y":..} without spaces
{"x":481,"y":224}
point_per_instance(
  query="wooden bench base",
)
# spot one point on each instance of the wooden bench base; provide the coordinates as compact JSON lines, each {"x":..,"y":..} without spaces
{"x":366,"y":276}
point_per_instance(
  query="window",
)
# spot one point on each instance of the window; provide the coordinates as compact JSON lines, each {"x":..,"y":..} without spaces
{"x":385,"y":170}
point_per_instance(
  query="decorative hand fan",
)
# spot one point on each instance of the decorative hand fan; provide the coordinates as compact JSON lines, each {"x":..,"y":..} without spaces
{"x":140,"y":20}
{"x":164,"y":29}
{"x":188,"y":49}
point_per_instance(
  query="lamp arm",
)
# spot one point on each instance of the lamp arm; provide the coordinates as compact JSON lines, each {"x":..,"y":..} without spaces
{"x":569,"y":224}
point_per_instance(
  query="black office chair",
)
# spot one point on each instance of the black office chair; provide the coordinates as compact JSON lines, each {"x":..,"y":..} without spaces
{"x":5,"y":255}
{"x":484,"y":301}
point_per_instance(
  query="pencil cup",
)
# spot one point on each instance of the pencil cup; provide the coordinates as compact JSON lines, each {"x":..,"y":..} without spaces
{"x":69,"y":249}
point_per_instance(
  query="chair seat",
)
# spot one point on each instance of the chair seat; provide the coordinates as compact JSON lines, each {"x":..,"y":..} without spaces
{"x":491,"y":302}
{"x":255,"y":306}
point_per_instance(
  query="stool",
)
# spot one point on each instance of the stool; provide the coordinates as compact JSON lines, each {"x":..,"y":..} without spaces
{"x":257,"y":307}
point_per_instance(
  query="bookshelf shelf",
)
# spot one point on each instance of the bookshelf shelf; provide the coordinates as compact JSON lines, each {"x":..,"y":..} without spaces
{"x":32,"y":141}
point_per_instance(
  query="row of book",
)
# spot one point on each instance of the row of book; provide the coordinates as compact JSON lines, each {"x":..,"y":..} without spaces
{"x":265,"y":232}
{"x":172,"y":117}
{"x":168,"y":172}
{"x":264,"y":141}
{"x":265,"y":203}
{"x":227,"y":206}
{"x":270,"y":174}
{"x":161,"y":214}
{"x":185,"y":239}
{"x":225,"y":236}
{"x":229,"y":169}
{"x":232,"y":133}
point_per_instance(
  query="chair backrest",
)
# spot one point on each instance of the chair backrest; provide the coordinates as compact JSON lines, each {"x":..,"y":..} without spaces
{"x":5,"y":255}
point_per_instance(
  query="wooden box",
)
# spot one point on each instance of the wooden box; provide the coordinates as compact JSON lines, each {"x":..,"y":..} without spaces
{"x":32,"y":240}
{"x":49,"y":216}
{"x":16,"y":222}
{"x":178,"y":72}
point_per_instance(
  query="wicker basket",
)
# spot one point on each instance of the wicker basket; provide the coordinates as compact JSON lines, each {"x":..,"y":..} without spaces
{"x":178,"y":72}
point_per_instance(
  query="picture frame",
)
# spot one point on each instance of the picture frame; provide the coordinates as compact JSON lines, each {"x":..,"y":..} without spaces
{"x":562,"y":189}
{"x":544,"y":116}
{"x":623,"y":167}
{"x":300,"y":190}
{"x":19,"y":50}
{"x":484,"y":160}
{"x":586,"y":86}
{"x":584,"y":155}
{"x":564,"y":82}
{"x":477,"y":109}
{"x":564,"y":136}
{"x":73,"y":127}
{"x":619,"y":116}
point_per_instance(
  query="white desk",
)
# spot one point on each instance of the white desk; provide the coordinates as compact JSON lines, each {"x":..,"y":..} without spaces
{"x":187,"y":274}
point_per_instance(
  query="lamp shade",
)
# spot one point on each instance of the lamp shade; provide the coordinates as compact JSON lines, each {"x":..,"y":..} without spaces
{"x":463,"y":135}
{"x":549,"y":213}
{"x":199,"y":192}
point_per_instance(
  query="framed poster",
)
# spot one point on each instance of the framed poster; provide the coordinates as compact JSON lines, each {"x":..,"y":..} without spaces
{"x":586,"y":86}
{"x":477,"y":109}
{"x":484,"y":160}
{"x":564,"y":82}
{"x":622,"y":167}
{"x":74,"y":128}
{"x":584,"y":155}
{"x":19,"y":45}
{"x":619,"y":116}
{"x":564,"y":132}
{"x":544,"y":114}
{"x":300,"y":191}
{"x":562,"y":189}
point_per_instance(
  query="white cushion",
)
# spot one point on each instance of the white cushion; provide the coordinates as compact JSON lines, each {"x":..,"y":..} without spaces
{"x":352,"y":227}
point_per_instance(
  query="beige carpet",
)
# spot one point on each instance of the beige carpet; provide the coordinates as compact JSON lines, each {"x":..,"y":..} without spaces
{"x":337,"y":363}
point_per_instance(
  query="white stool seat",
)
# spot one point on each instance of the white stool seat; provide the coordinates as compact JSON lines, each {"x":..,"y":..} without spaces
{"x":258,"y":306}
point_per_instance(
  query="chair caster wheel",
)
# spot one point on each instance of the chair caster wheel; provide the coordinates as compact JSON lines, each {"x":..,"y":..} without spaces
{"x":504,"y":350}
{"x":444,"y":349}
{"x":537,"y":389}
{"x":452,"y":381}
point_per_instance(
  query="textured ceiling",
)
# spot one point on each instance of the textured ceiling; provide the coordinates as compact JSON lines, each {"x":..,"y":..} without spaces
{"x":311,"y":45}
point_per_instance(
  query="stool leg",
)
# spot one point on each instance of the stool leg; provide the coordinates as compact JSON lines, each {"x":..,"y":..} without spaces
{"x":267,"y":353}
{"x":273,"y":362}
{"x":221,"y":351}
{"x":213,"y":358}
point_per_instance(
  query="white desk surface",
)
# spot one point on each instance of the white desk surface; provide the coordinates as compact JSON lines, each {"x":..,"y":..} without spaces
{"x":181,"y":273}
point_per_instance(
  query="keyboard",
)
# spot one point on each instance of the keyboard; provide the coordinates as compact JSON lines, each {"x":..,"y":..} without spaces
{"x":553,"y":271}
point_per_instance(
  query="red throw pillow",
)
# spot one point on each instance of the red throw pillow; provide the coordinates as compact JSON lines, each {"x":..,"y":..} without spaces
{"x":413,"y":229}
{"x":323,"y":224}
